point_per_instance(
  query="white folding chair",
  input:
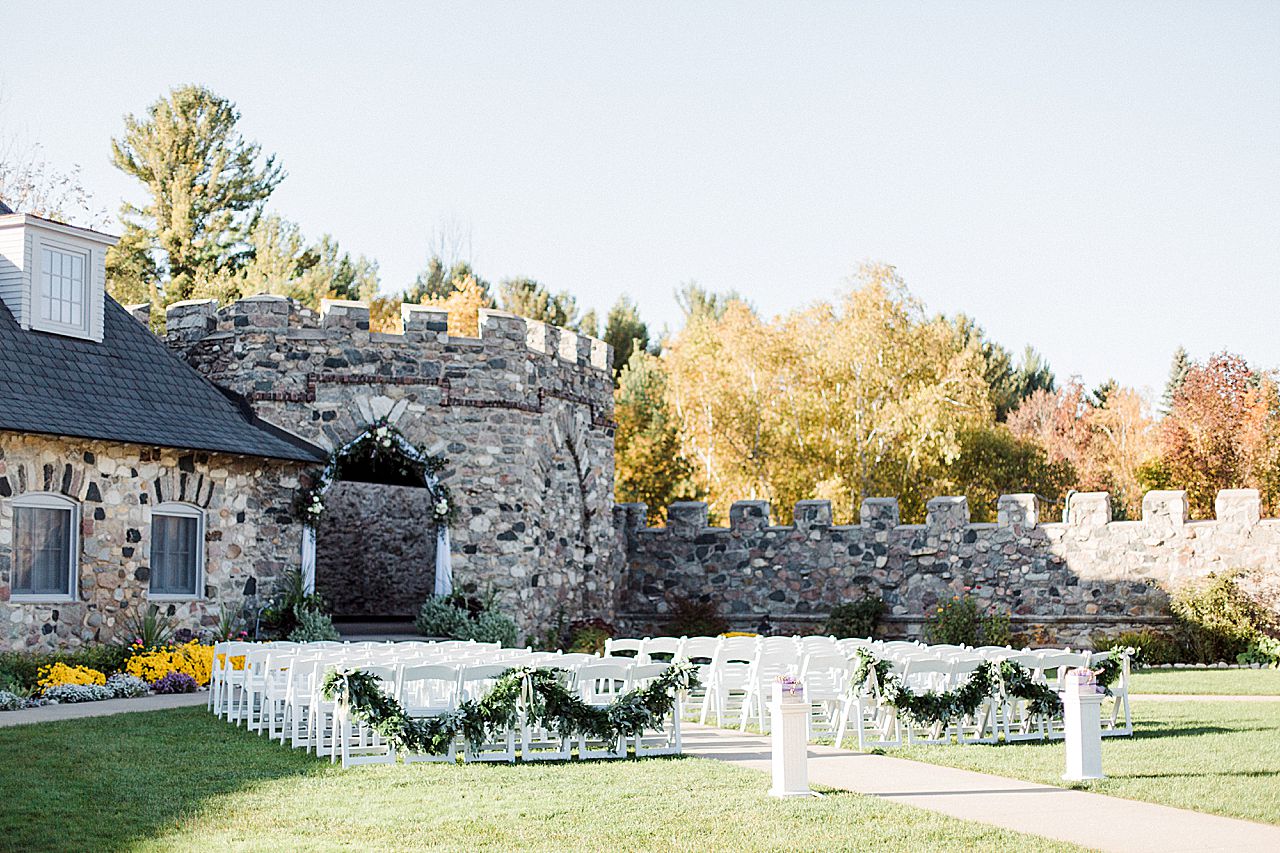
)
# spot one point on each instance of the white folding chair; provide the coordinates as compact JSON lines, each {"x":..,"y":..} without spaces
{"x":428,"y":690}
{"x":357,"y":743}
{"x":626,"y":648}
{"x":1113,"y":725}
{"x":665,"y":739}
{"x":599,"y":685}
{"x":474,"y":682}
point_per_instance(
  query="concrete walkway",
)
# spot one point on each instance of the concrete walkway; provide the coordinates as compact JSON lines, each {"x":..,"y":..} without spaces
{"x":105,"y":708}
{"x":1090,"y":820}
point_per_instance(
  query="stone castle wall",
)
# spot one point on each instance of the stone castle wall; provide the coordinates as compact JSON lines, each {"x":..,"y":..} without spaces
{"x":1067,"y":580}
{"x":248,"y":532}
{"x":374,"y":554}
{"x":523,"y":413}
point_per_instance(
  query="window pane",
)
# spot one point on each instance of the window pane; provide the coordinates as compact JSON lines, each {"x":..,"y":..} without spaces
{"x":43,"y":554}
{"x":174,"y":553}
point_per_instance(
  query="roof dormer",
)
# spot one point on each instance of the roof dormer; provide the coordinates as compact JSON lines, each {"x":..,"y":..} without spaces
{"x":53,"y":277}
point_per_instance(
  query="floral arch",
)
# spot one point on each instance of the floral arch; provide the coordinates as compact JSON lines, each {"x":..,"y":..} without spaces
{"x":383,"y":447}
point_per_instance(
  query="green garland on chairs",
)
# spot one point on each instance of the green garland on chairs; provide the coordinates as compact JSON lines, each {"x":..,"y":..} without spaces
{"x":928,"y":708}
{"x":537,"y":692}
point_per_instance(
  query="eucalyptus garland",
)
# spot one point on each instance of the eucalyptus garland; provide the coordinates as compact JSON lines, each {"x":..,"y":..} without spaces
{"x":381,"y":443}
{"x":929,"y":707}
{"x":535,"y":693}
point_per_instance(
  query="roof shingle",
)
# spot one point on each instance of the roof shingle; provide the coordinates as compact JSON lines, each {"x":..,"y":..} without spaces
{"x":129,"y":388}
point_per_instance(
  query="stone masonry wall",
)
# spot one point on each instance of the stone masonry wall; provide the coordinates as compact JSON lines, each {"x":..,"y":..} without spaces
{"x":375,"y":556}
{"x":248,"y":533}
{"x":1068,"y":580}
{"x":523,"y":413}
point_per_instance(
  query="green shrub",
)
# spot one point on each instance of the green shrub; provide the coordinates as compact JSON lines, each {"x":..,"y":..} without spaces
{"x":588,"y":636}
{"x":1218,"y":619}
{"x":1263,"y":650}
{"x":22,"y":668}
{"x":958,"y":622}
{"x":313,"y":626}
{"x":460,"y":617}
{"x":440,"y":617}
{"x":280,"y":616}
{"x":493,"y":627}
{"x":696,"y":618}
{"x":149,"y":629}
{"x":855,"y":618}
{"x":1154,"y":647}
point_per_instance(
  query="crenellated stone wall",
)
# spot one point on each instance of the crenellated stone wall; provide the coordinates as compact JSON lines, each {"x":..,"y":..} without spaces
{"x":523,"y":413}
{"x":248,"y":532}
{"x":1067,"y":580}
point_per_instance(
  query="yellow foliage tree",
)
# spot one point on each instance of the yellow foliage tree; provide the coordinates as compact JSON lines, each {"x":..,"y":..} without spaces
{"x":861,"y":398}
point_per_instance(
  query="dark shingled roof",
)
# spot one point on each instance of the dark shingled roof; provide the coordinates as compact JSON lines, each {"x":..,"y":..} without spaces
{"x":129,"y":388}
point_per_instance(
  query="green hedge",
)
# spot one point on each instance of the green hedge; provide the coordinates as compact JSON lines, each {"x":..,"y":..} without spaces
{"x":24,"y":667}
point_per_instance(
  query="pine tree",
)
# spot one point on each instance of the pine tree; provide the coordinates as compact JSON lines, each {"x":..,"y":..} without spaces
{"x":1177,"y":373}
{"x":206,"y":185}
{"x":625,"y":332}
{"x":527,"y":298}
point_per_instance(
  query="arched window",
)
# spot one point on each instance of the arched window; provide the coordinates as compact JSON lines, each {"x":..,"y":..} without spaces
{"x":46,"y":552}
{"x":177,"y":551}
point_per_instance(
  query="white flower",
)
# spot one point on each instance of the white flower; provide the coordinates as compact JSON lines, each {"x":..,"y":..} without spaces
{"x":442,"y":507}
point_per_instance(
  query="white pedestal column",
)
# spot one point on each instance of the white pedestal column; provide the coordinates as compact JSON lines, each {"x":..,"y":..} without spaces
{"x":790,"y":733}
{"x":1082,"y":714}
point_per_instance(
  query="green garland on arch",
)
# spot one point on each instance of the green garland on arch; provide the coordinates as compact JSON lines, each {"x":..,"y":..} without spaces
{"x":537,"y":693}
{"x":929,"y":707}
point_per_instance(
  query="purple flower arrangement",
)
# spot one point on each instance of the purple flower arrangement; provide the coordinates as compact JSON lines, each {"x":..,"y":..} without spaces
{"x":790,"y":685}
{"x":174,"y":682}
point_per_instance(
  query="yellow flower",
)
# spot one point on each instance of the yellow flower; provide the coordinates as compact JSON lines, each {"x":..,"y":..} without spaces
{"x":60,"y":673}
{"x":194,"y":659}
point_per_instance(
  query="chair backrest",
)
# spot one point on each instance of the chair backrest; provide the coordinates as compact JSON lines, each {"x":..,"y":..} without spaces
{"x":1062,"y":661}
{"x":663,"y":648}
{"x":624,"y":648}
{"x":737,"y":649}
{"x":428,"y":684}
{"x":601,"y":683}
{"x":475,"y":680}
{"x":824,"y":674}
{"x":643,"y":673}
{"x":700,"y":649}
{"x":573,"y":660}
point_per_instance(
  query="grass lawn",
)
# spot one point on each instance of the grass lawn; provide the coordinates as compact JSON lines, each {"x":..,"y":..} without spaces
{"x":1219,"y":757}
{"x":181,"y":780}
{"x":1219,"y":682}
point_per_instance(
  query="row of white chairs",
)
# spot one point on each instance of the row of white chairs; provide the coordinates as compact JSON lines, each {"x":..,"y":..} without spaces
{"x":737,"y":675}
{"x":275,"y":689}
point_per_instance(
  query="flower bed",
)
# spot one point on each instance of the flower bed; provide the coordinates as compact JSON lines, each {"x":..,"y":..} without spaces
{"x":28,"y":681}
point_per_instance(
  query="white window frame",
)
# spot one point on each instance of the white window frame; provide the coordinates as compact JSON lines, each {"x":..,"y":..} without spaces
{"x":82,"y":330}
{"x":48,"y":500}
{"x":180,"y":510}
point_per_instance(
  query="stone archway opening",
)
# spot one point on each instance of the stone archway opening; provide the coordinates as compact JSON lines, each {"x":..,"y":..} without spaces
{"x":375,"y":544}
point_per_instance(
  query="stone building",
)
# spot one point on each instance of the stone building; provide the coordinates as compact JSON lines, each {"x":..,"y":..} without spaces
{"x":137,"y":471}
{"x":126,"y":478}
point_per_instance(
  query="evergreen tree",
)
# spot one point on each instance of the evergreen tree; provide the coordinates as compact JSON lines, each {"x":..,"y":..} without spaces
{"x":625,"y":332}
{"x":440,"y":279}
{"x":206,"y":188}
{"x":527,"y":298}
{"x":1010,"y":384}
{"x":1177,"y":373}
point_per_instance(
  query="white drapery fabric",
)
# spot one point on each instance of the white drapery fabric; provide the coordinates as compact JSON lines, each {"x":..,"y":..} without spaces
{"x":444,"y":562}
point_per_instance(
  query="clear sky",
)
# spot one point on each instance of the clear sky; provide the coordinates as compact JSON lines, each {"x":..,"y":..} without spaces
{"x":1100,"y":180}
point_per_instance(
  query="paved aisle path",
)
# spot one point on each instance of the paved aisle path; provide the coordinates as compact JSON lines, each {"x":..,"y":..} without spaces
{"x":105,"y":708}
{"x":1090,"y":820}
